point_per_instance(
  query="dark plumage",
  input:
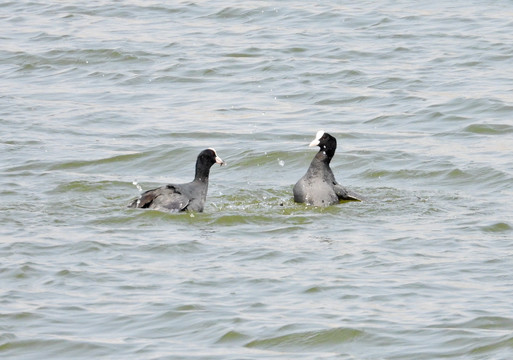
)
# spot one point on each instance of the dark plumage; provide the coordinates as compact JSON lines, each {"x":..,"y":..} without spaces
{"x":182,"y":197}
{"x":318,"y":186}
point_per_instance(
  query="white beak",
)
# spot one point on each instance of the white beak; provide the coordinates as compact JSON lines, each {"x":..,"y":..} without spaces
{"x":220,"y":161}
{"x":317,"y":139}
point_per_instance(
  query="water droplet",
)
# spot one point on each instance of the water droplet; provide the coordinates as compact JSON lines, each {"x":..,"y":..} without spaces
{"x":137,"y":185}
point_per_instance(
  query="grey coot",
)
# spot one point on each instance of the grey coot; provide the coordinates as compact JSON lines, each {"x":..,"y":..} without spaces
{"x":182,"y":197}
{"x":318,"y":186}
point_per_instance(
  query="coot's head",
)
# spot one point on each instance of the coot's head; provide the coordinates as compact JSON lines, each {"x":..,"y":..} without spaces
{"x":209,"y":157}
{"x":325,"y":141}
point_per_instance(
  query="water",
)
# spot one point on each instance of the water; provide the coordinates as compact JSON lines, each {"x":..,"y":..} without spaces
{"x":99,"y":98}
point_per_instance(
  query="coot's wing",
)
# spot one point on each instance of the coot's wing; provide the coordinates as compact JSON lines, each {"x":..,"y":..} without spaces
{"x":345,"y":194}
{"x":145,"y":199}
{"x":172,"y":198}
{"x":169,"y":197}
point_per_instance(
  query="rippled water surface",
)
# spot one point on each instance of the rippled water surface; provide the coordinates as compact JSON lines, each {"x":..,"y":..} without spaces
{"x":100,"y":97}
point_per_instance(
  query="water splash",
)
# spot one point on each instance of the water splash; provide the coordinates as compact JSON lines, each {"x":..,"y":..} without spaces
{"x":137,"y":186}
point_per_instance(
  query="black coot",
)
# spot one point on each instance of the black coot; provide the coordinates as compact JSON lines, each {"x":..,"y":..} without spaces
{"x":318,"y":186}
{"x":182,"y":197}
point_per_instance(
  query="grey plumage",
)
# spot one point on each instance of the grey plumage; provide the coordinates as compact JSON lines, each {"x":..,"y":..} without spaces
{"x":318,"y":186}
{"x":182,"y":197}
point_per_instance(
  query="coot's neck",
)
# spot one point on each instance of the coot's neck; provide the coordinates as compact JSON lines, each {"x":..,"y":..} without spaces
{"x":202,"y":171}
{"x":325,"y":155}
